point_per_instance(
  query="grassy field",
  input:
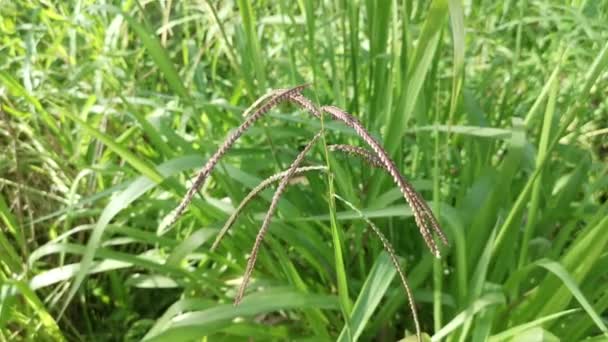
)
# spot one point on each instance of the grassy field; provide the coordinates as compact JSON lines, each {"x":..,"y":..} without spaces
{"x":497,"y":112}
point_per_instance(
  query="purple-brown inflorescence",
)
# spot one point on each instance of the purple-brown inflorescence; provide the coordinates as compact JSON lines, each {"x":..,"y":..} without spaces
{"x":266,"y":223}
{"x":423,"y":215}
{"x":212,"y":162}
{"x":377,"y":157}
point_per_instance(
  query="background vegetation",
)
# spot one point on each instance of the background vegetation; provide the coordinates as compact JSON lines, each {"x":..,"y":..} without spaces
{"x":497,"y":111}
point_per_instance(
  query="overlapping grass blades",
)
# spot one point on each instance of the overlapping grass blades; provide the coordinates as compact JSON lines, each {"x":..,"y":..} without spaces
{"x":494,"y":111}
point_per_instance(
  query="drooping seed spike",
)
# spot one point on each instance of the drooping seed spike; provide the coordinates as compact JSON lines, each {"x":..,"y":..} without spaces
{"x":366,"y":155}
{"x":219,"y":153}
{"x":406,"y":188}
{"x":254,"y":192}
{"x":266,"y":223}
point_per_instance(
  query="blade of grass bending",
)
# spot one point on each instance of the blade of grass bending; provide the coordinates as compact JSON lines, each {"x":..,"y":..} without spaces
{"x":492,"y":298}
{"x":563,"y":274}
{"x":135,"y":190}
{"x":185,"y":326}
{"x":393,"y":256}
{"x":266,"y":223}
{"x":212,"y":162}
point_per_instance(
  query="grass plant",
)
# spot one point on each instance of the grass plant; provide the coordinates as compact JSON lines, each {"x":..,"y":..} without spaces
{"x":494,"y":112}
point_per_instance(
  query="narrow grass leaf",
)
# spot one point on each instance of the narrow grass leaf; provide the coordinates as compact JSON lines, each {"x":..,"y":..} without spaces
{"x":479,"y":304}
{"x":197,"y":324}
{"x":516,"y":331}
{"x":135,"y":190}
{"x":558,"y":270}
{"x":375,"y":286}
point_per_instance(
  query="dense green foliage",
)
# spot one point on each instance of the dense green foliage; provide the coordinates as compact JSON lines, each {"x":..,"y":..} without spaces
{"x":496,"y":111}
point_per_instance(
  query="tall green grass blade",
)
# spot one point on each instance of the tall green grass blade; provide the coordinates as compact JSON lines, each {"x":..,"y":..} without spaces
{"x":338,"y":246}
{"x":534,"y":206}
{"x":158,"y":54}
{"x":251,"y":56}
{"x":373,"y":290}
{"x":417,"y":71}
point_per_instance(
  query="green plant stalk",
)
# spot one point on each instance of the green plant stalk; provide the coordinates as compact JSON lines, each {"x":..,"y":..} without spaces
{"x":337,"y":239}
{"x":538,"y":183}
{"x":437,"y":266}
{"x":346,"y":304}
{"x":9,"y":256}
{"x":249,"y":24}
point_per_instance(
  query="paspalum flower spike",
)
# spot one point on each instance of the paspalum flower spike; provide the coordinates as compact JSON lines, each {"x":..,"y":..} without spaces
{"x":373,"y":160}
{"x":362,"y":153}
{"x":212,"y":162}
{"x":266,"y":223}
{"x":378,"y":157}
{"x":254,"y":192}
{"x":422,"y":213}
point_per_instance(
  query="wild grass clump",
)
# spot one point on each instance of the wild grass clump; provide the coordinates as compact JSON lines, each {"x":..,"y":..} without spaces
{"x":496,"y":112}
{"x":378,"y":158}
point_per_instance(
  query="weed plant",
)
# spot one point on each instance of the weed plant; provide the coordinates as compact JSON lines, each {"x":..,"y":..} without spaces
{"x":496,"y":112}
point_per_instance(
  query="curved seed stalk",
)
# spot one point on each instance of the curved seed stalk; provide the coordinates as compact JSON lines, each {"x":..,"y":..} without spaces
{"x":423,"y":215}
{"x":254,"y":192}
{"x":378,"y":157}
{"x":391,"y":252}
{"x":266,"y":223}
{"x":206,"y":170}
{"x":373,"y":160}
{"x":360,"y":152}
{"x":349,"y":149}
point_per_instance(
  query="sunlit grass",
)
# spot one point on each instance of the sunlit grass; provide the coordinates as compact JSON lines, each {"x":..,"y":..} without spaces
{"x":496,"y":112}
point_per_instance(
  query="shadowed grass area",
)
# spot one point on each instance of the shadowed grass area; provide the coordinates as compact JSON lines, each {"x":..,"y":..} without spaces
{"x":495,"y":111}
